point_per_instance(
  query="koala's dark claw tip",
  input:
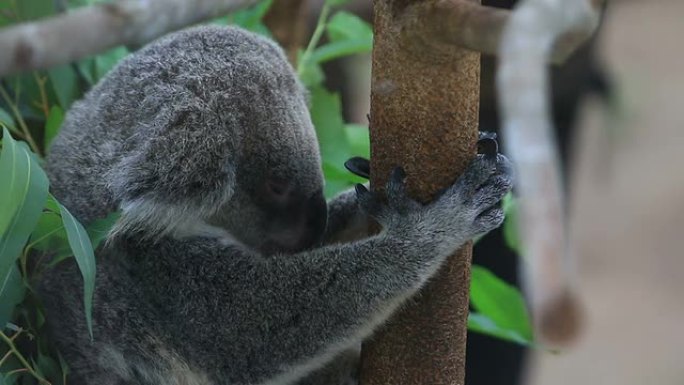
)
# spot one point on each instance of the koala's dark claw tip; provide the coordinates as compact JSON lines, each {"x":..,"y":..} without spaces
{"x":398,"y":175}
{"x":361,"y":189}
{"x":358,"y":166}
{"x":488,"y":145}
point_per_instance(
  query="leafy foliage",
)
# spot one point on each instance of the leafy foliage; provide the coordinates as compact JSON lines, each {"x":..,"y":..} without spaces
{"x":37,"y":232}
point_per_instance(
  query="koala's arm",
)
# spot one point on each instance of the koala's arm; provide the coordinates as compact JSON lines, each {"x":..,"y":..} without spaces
{"x":282,"y":317}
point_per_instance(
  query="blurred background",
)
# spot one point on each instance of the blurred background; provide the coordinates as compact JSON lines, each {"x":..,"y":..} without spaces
{"x":627,"y":186}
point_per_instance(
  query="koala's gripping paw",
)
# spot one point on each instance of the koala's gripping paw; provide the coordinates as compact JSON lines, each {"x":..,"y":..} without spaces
{"x":399,"y":204}
{"x":475,"y":197}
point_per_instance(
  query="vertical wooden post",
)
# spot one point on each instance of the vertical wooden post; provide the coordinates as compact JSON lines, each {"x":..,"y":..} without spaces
{"x":424,"y":117}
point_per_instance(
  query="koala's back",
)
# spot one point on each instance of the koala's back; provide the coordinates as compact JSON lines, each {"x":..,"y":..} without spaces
{"x":140,"y":95}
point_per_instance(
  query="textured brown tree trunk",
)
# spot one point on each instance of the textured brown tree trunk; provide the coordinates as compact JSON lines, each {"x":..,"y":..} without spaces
{"x":424,"y":117}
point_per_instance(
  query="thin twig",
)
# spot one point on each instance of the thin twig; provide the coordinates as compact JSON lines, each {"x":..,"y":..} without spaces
{"x":10,"y":344}
{"x":20,"y":120}
{"x":315,"y":38}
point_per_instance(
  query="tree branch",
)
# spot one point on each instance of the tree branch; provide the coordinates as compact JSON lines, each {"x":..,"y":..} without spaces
{"x":476,"y":27}
{"x":89,"y":30}
{"x":523,"y":95}
{"x":424,"y":117}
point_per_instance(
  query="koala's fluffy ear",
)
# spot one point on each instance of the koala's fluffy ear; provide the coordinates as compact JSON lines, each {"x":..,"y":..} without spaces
{"x":178,"y":171}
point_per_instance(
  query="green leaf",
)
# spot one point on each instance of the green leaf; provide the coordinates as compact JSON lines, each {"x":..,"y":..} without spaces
{"x":64,"y":84}
{"x":339,"y":49}
{"x":85,"y":258}
{"x":21,"y":199}
{"x":52,"y":125}
{"x":358,"y":138}
{"x":336,"y":3}
{"x":49,"y":234}
{"x":6,"y":119}
{"x":326,"y":115}
{"x":11,"y":293}
{"x":482,"y":324}
{"x":99,"y":229}
{"x":347,"y":26}
{"x":510,"y":225}
{"x":251,"y":18}
{"x":106,"y":61}
{"x":499,"y":302}
{"x":34,"y":9}
{"x":310,"y":72}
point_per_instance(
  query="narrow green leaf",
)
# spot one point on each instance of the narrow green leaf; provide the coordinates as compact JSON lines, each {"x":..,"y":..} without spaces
{"x":510,"y":225}
{"x":24,"y":194}
{"x":339,"y":49}
{"x":99,"y":229}
{"x":500,"y":302}
{"x":11,"y":293}
{"x":106,"y":61}
{"x":482,"y":324}
{"x":64,"y":84}
{"x":52,"y":125}
{"x":85,"y":258}
{"x":310,"y":72}
{"x":336,"y":3}
{"x":359,"y":139}
{"x":326,"y":114}
{"x":251,"y":18}
{"x":347,"y":26}
{"x":6,"y":118}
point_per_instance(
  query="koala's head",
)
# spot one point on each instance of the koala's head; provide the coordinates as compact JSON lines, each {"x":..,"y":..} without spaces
{"x":223,"y":140}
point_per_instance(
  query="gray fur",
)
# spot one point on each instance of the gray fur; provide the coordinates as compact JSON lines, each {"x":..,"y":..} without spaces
{"x":209,"y":278}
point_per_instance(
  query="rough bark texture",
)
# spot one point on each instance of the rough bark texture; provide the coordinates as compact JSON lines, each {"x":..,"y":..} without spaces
{"x":287,"y":20}
{"x":424,"y":117}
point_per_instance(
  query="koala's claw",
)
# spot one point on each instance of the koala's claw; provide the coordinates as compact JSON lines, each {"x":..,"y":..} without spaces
{"x":358,"y":166}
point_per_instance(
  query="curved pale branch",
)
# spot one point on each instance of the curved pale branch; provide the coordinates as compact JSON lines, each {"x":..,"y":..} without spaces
{"x":527,"y":130}
{"x":89,"y":30}
{"x":468,"y":24}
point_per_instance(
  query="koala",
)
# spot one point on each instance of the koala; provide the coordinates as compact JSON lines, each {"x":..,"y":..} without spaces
{"x":225,"y":266}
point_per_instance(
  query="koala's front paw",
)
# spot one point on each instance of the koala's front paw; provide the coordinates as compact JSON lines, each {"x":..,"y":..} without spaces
{"x":398,"y":205}
{"x":475,"y":197}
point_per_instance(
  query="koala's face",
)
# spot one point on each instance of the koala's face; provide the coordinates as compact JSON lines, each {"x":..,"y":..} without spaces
{"x":278,"y":203}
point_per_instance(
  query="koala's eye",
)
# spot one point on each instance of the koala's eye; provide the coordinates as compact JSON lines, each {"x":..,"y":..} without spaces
{"x":279,"y":190}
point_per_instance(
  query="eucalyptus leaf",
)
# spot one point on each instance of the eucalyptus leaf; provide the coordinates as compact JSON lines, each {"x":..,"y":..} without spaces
{"x":23,"y":195}
{"x":336,"y":3}
{"x":347,"y":26}
{"x":339,"y":49}
{"x":85,"y":258}
{"x":510,"y":225}
{"x":106,"y":61}
{"x":326,"y":114}
{"x":11,"y":293}
{"x":65,"y":85}
{"x":482,"y":324}
{"x":359,"y":139}
{"x":500,"y":302}
{"x":6,"y":118}
{"x":52,"y":125}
